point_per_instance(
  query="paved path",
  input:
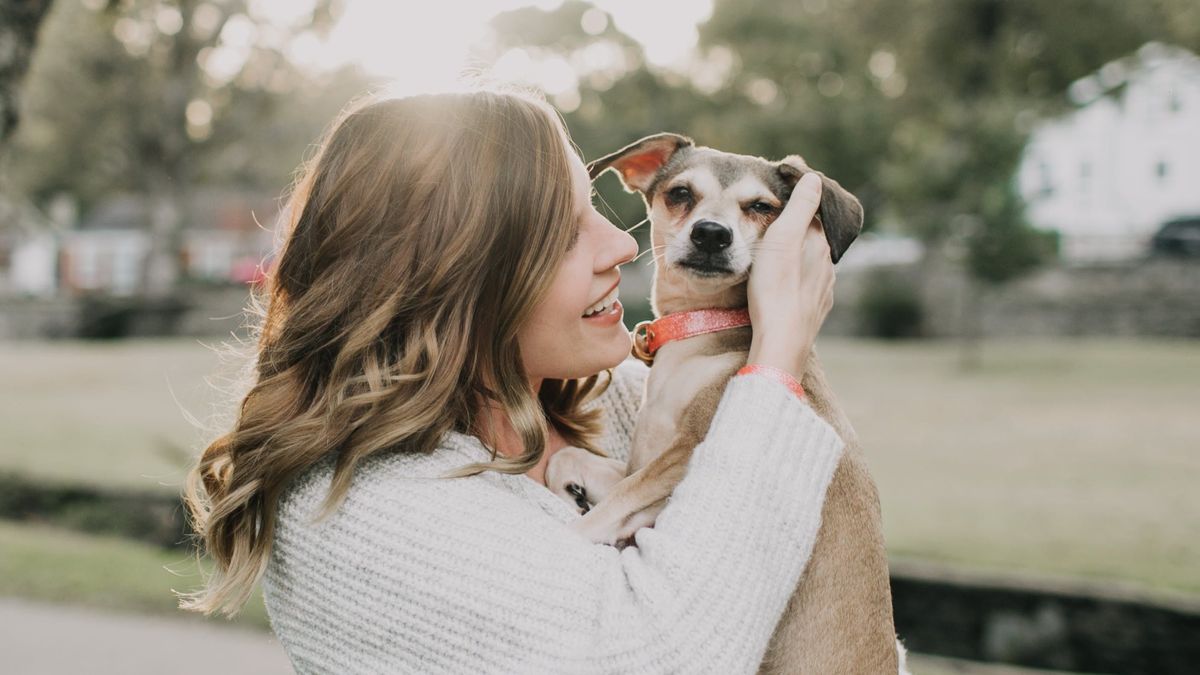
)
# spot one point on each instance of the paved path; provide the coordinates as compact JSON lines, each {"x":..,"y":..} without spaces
{"x":37,"y":637}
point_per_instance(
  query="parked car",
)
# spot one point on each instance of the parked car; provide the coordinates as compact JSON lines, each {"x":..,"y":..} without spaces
{"x":1178,"y":237}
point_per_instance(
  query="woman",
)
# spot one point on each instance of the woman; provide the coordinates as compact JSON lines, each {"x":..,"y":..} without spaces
{"x":425,"y":318}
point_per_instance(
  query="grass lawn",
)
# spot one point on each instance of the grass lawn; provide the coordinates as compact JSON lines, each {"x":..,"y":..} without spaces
{"x":108,"y":413}
{"x":1068,"y":457}
{"x":1077,"y":457}
{"x":44,"y":563}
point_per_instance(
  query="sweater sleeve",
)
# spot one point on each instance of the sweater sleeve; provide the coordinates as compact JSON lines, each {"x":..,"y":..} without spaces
{"x":433,"y":575}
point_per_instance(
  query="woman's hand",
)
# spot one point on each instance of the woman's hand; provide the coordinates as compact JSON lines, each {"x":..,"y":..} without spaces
{"x":790,"y":291}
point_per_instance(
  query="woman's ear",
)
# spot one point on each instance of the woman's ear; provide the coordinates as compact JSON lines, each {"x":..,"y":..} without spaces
{"x":638,"y":162}
{"x":841,"y":213}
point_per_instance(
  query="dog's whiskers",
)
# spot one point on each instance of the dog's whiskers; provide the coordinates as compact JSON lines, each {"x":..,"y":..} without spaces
{"x":648,"y":250}
{"x":634,"y":227}
{"x":758,"y":246}
{"x":613,"y":211}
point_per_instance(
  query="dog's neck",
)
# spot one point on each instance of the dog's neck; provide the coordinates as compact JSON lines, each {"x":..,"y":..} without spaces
{"x":673,"y":293}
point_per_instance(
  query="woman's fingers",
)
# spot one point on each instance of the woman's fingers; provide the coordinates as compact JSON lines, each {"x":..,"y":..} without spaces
{"x":791,"y":224}
{"x":816,"y":244}
{"x":790,"y":286}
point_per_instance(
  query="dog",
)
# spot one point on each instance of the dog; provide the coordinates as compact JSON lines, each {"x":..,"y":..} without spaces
{"x":707,"y":211}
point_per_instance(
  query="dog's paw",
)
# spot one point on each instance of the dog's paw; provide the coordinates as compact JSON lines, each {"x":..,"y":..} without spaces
{"x":606,"y":524}
{"x":596,"y":529}
{"x":580,"y":478}
{"x":580,"y":494}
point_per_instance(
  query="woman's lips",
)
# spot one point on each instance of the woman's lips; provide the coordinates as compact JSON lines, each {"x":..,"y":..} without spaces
{"x":612,"y":316}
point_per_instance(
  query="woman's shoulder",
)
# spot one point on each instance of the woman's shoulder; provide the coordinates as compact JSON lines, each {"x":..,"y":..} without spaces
{"x":391,"y":478}
{"x":398,"y":526}
{"x":389,"y":474}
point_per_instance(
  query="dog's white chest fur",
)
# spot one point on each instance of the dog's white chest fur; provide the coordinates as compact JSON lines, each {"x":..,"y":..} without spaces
{"x":681,"y":369}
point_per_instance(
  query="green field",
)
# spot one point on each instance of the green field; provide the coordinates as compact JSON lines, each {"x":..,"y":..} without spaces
{"x":45,"y":563}
{"x":109,"y":413}
{"x":1076,"y":458}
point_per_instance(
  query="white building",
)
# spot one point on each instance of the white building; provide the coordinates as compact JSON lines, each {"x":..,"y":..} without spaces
{"x":28,"y":250}
{"x":1107,"y":175}
{"x":224,"y":242}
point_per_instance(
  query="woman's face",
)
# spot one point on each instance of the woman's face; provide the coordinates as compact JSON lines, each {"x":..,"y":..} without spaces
{"x":563,"y":338}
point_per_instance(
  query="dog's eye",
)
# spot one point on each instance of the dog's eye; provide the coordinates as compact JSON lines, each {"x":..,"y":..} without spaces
{"x":679,"y":194}
{"x":762,"y":207}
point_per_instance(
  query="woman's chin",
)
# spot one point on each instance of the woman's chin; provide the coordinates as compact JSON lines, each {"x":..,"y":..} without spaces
{"x":601,"y":357}
{"x":621,"y":348}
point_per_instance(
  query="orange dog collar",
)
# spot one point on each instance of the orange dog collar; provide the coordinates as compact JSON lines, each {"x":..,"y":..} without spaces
{"x":650,"y":336}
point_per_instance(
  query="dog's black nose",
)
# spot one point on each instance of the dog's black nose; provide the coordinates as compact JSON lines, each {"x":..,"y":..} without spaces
{"x":711,"y":237}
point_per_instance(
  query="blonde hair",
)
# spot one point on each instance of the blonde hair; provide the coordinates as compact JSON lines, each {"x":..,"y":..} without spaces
{"x":421,"y":236}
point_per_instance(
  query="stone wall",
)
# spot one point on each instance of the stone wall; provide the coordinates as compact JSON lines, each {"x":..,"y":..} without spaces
{"x":204,"y":311}
{"x":1155,"y":297}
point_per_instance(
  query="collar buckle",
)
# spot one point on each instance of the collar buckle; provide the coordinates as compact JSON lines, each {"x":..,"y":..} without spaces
{"x":642,"y":335}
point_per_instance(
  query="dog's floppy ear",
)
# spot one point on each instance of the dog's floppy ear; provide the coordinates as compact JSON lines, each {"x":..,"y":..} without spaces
{"x":638,"y":162}
{"x":841,"y":212}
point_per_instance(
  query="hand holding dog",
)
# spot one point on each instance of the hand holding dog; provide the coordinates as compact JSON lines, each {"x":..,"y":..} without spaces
{"x":790,"y":291}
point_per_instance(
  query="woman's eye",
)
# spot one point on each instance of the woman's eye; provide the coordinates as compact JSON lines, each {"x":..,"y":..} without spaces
{"x":762,"y":207}
{"x":679,"y":194}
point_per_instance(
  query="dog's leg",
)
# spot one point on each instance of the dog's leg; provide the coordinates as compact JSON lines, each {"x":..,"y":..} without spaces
{"x":636,"y":501}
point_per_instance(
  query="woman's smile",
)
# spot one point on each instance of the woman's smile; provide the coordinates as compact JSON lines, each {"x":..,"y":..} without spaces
{"x":607,"y":306}
{"x":607,"y":316}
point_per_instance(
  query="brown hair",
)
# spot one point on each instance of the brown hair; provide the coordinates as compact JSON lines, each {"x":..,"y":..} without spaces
{"x":420,"y":238}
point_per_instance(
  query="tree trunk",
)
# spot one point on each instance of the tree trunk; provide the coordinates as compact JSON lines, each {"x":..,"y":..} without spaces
{"x":971,"y":344}
{"x":19,"y":22}
{"x":167,"y":160}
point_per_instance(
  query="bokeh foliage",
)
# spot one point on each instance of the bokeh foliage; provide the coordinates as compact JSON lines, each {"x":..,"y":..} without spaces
{"x":920,"y":108}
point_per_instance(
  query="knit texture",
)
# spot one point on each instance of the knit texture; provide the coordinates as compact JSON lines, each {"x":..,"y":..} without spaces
{"x":420,"y":574}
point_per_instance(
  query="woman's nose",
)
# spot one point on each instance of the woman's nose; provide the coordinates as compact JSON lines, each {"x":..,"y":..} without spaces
{"x":625,"y":246}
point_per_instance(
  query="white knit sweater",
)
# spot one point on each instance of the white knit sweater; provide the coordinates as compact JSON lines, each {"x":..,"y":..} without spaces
{"x":419,"y":574}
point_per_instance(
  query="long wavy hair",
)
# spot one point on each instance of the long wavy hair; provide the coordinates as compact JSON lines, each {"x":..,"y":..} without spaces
{"x":419,"y":239}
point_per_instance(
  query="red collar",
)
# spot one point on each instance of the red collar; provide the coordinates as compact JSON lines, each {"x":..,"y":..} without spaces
{"x":650,"y":336}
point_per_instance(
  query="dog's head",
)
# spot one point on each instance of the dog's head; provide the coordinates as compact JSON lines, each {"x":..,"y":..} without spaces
{"x":708,"y":209}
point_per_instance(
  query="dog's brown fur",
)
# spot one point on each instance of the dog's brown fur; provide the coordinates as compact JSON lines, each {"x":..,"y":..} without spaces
{"x":839,"y":620}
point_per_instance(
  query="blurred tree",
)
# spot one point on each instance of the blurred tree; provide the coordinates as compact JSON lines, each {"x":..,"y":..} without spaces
{"x":614,"y":98}
{"x":800,"y":83}
{"x":155,"y":97}
{"x":983,"y":71}
{"x":919,"y":108}
{"x":923,"y":108}
{"x":19,"y":22}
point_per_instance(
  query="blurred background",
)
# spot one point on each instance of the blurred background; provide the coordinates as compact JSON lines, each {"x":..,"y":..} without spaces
{"x":1014,"y":335}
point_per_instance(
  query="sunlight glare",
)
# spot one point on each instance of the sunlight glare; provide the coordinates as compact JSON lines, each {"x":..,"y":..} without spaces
{"x":425,"y":46}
